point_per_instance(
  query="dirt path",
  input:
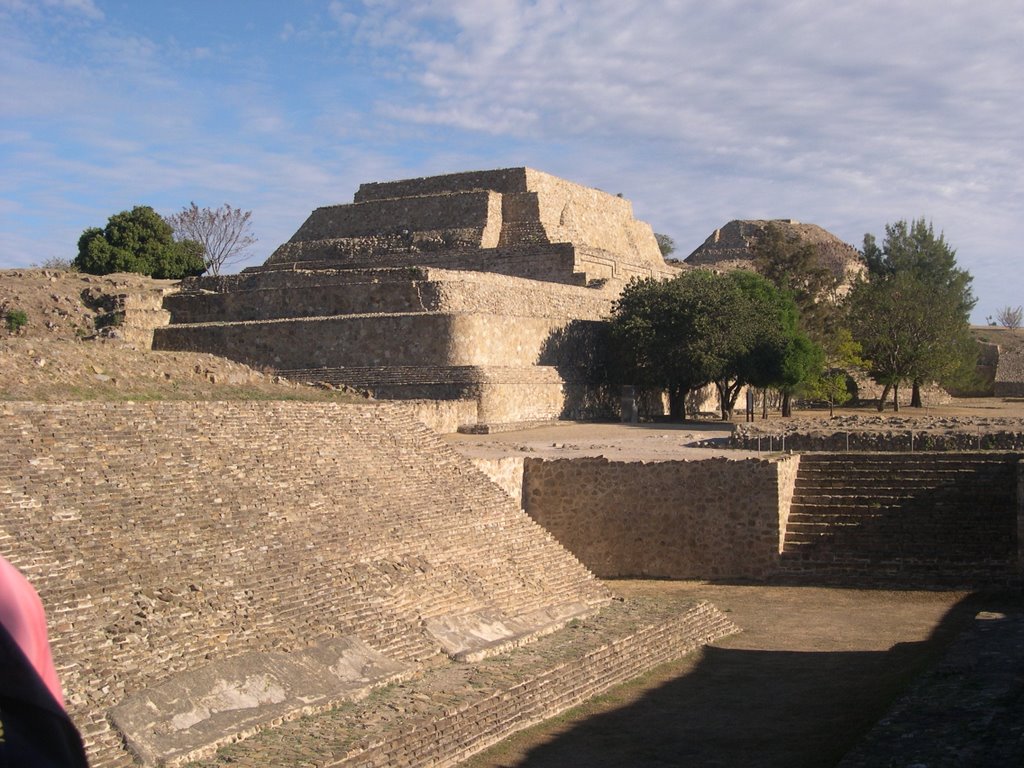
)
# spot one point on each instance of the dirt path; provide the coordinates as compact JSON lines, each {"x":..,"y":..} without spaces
{"x":812,"y":671}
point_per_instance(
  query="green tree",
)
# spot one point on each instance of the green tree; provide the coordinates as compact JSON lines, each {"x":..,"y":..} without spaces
{"x":701,"y":327}
{"x":771,"y":349}
{"x":912,"y":314}
{"x":842,"y":357}
{"x":657,"y":329}
{"x":795,"y":267}
{"x":665,"y":244}
{"x":140,"y":241}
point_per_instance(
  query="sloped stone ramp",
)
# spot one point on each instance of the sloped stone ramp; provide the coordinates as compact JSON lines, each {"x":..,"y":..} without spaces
{"x":217,"y":570}
{"x":450,"y":712}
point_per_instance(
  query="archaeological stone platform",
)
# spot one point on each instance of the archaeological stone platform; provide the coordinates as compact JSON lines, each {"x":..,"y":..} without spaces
{"x":488,"y":286}
{"x":210,"y":569}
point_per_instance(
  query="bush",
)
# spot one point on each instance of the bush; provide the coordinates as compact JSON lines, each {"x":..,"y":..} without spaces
{"x":138,"y":241}
{"x":16,"y":319}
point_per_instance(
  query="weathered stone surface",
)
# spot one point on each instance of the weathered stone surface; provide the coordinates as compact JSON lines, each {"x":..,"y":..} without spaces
{"x":508,"y":269}
{"x":474,"y":636}
{"x":164,"y":537}
{"x":197,"y":711}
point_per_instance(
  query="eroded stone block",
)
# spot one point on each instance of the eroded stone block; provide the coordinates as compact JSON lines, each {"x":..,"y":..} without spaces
{"x":194,"y":713}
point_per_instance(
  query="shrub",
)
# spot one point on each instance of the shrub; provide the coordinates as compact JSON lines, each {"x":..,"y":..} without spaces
{"x":16,"y":319}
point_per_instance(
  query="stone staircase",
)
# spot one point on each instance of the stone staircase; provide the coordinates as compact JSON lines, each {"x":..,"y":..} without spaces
{"x":175,"y":544}
{"x":943,"y":519}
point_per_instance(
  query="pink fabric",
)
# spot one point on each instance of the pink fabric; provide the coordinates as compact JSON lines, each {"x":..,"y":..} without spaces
{"x":21,"y":613}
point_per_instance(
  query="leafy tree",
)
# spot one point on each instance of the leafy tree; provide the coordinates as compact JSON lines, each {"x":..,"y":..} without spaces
{"x":224,"y":233}
{"x":842,"y":356}
{"x":137,"y":241}
{"x":657,"y":329}
{"x":665,"y":244}
{"x":772,"y":350}
{"x":701,"y":327}
{"x":796,"y":267}
{"x":911,"y":315}
{"x":1010,"y":317}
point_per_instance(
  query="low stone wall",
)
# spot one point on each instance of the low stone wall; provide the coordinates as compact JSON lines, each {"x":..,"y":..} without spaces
{"x":716,"y":518}
{"x":911,"y":440}
{"x":475,"y":214}
{"x":554,"y":263}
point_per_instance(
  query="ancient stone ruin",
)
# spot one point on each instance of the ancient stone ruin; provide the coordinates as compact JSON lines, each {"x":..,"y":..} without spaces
{"x":732,"y":247}
{"x":483,"y":286}
{"x":213,"y":572}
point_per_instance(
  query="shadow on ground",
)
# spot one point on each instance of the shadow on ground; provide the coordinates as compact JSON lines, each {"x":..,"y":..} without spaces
{"x":743,"y":707}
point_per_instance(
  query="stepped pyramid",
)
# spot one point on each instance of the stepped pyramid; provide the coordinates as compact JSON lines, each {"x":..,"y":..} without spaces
{"x":483,"y":285}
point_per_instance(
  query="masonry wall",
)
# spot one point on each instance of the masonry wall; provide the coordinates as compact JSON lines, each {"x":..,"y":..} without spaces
{"x":551,"y":263}
{"x":361,"y":340}
{"x":586,"y":216}
{"x":284,"y":294}
{"x":165,"y":536}
{"x":469,"y":214}
{"x":716,"y":518}
{"x":381,"y":340}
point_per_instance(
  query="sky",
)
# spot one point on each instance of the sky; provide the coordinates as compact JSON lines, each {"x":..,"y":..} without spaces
{"x":845,"y":114}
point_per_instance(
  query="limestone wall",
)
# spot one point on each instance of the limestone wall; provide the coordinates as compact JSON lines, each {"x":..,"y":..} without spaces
{"x":675,"y":519}
{"x":474,"y":217}
{"x":586,"y":216}
{"x":360,"y":340}
{"x":504,"y":180}
{"x":552,"y":263}
{"x":379,"y":340}
{"x":164,"y":537}
{"x":505,"y":472}
{"x":282,"y":294}
{"x":1009,"y":377}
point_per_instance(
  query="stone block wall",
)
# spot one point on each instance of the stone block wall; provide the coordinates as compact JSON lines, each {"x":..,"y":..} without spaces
{"x":505,"y":472}
{"x":716,"y":518}
{"x":474,"y":217}
{"x":504,"y":180}
{"x":555,"y":263}
{"x":166,"y":536}
{"x":589,"y":217}
{"x":1009,"y":376}
{"x":380,"y":340}
{"x":273,"y":295}
{"x":357,"y":340}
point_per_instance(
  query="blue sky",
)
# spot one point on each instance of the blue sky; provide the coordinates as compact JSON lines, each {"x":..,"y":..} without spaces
{"x":845,"y":114}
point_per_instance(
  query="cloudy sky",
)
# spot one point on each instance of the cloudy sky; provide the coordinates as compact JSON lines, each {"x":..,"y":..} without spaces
{"x":841,"y":113}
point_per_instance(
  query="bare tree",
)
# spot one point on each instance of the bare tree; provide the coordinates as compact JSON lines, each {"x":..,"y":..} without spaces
{"x":224,"y":233}
{"x":1010,"y":317}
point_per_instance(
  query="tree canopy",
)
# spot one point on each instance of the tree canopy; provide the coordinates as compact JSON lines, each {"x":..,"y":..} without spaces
{"x":700,"y":327}
{"x":796,"y":268}
{"x":666,"y":244}
{"x":140,"y":241}
{"x":911,"y":314}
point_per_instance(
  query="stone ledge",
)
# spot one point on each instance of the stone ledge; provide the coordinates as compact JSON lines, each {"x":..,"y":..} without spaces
{"x":476,"y":636}
{"x":452,"y":711}
{"x":194,"y":713}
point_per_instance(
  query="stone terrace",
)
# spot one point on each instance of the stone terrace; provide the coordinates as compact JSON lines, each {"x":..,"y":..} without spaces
{"x":505,"y":272}
{"x":170,"y":540}
{"x":931,"y":518}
